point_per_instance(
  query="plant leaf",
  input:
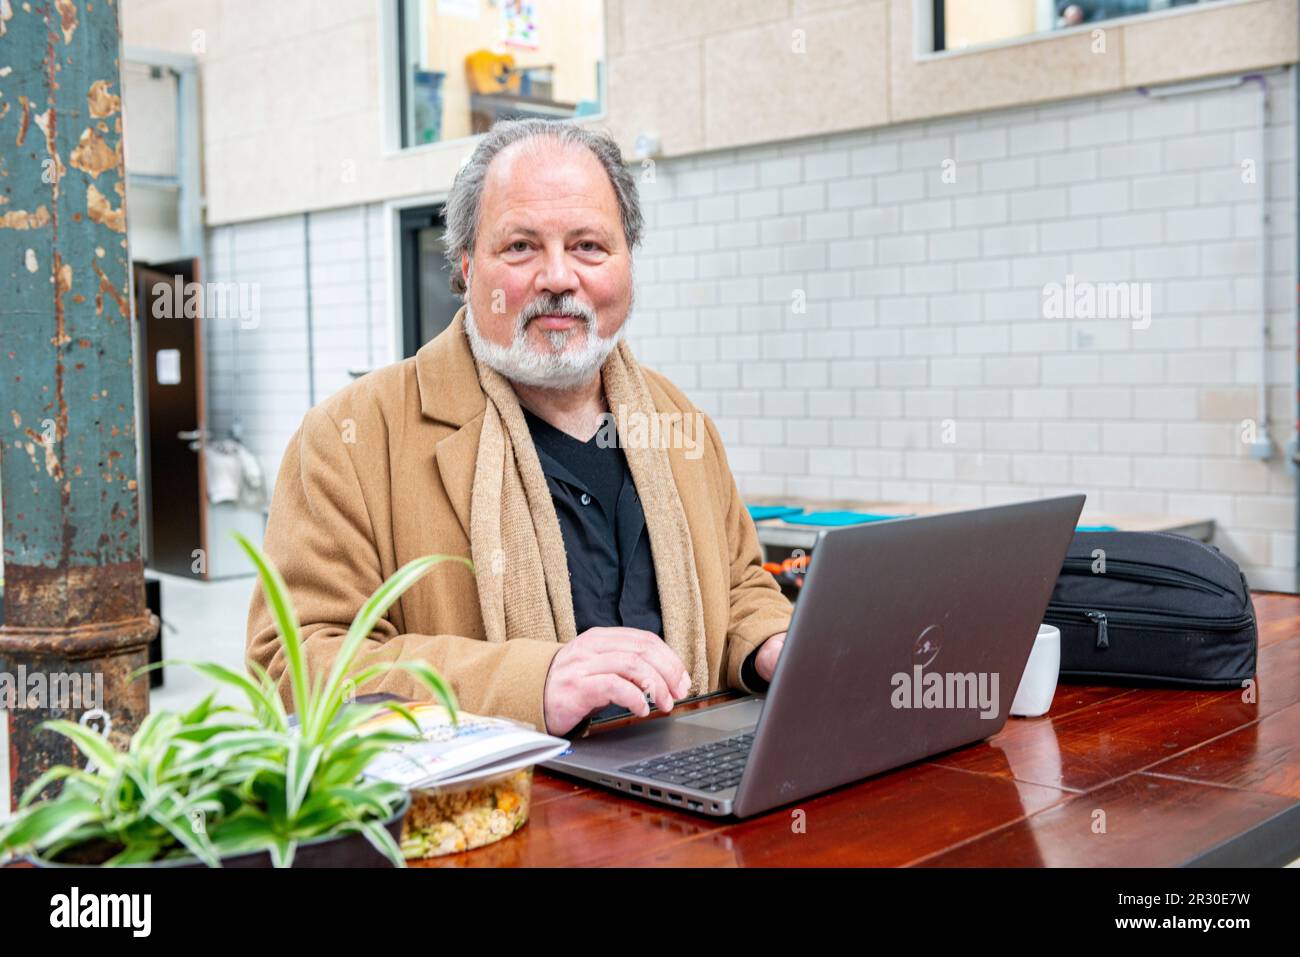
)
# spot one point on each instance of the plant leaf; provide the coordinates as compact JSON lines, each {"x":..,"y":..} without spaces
{"x":46,"y":823}
{"x":58,"y":773}
{"x":374,"y":608}
{"x":141,"y":852}
{"x":256,"y":694}
{"x":93,"y":746}
{"x":302,"y":764}
{"x":286,"y":620}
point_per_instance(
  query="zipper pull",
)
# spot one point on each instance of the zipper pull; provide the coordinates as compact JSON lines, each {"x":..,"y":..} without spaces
{"x":1103,"y":640}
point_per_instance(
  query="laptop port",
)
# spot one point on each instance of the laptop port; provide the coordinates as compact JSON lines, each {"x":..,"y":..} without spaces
{"x":694,"y":805}
{"x":636,"y":789}
{"x":675,"y":798}
{"x":656,"y":793}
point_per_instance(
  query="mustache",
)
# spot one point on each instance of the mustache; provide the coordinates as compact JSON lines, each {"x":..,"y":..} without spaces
{"x":553,"y":305}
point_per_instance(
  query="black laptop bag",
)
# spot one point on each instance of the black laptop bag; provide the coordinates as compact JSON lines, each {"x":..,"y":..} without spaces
{"x":1166,"y":610}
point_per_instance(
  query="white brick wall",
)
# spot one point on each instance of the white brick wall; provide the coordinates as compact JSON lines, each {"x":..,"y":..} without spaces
{"x":924,"y":303}
{"x":349,"y":329}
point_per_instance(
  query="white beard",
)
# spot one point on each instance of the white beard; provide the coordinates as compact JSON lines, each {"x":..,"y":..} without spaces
{"x":523,"y":363}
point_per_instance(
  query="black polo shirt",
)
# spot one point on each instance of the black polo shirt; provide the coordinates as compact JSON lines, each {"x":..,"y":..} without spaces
{"x":606,"y":543}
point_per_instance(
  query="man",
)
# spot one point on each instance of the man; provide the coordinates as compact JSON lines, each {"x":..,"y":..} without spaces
{"x":614,"y":561}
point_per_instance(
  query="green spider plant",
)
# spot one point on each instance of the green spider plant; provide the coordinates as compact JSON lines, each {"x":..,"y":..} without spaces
{"x":221,"y":780}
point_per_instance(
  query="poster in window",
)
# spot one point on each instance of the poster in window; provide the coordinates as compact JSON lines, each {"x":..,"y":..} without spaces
{"x":519,"y":24}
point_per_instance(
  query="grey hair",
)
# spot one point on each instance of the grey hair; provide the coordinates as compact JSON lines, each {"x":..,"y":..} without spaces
{"x":466,"y":197}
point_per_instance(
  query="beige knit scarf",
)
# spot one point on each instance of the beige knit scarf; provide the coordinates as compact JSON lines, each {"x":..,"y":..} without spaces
{"x":515,"y":540}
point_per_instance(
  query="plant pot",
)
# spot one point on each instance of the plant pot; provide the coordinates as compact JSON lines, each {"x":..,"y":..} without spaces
{"x":344,"y":850}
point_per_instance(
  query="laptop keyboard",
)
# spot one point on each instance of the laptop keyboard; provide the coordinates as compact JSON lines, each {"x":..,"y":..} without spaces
{"x":713,"y":767}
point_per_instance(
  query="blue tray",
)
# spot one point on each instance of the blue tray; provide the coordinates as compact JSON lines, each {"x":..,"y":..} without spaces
{"x":840,"y":518}
{"x":760,"y":512}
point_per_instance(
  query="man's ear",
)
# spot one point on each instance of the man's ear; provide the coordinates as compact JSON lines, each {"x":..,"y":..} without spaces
{"x":460,"y":284}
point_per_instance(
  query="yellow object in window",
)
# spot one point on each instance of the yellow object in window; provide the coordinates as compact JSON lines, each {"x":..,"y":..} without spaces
{"x":490,"y":72}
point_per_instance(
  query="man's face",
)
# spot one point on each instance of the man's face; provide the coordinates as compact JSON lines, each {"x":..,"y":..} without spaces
{"x":550,"y":279}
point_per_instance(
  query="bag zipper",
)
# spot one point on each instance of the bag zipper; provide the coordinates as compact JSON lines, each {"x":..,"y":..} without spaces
{"x":1103,"y":639}
{"x":1138,"y":572}
{"x":1155,"y":622}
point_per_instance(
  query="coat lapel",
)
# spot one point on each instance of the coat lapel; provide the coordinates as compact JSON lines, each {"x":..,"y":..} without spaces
{"x":450,"y":394}
{"x":455,"y":457}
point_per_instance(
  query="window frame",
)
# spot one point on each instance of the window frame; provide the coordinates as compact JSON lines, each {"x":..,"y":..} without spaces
{"x":392,"y":90}
{"x":926,"y":13}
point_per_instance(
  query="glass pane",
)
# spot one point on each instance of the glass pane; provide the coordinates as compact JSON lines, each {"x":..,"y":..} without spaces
{"x":153,"y":228}
{"x":438,"y":304}
{"x":968,"y":23}
{"x":466,"y":63}
{"x":149,"y":119}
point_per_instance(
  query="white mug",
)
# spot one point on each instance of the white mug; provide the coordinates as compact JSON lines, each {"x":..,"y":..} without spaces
{"x":1038,"y":685}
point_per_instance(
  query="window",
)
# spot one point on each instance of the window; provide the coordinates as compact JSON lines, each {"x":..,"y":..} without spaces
{"x":160,"y":112}
{"x":966,"y":23}
{"x":465,"y":63}
{"x":428,"y":304}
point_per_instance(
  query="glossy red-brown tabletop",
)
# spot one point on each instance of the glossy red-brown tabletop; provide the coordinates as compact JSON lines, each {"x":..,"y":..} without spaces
{"x":1110,"y":777}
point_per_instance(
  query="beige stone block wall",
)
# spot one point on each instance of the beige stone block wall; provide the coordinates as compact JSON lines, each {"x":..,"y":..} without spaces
{"x":294,"y":87}
{"x":817,"y":72}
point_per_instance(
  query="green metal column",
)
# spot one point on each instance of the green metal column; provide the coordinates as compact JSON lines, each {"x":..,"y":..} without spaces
{"x":74,"y":601}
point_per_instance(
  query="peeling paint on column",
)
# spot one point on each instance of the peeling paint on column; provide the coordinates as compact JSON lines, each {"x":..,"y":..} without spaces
{"x":74,"y":590}
{"x":100,"y":210}
{"x":25,"y":122}
{"x":52,"y":165}
{"x":101,"y":101}
{"x":21,"y":219}
{"x":67,"y":18}
{"x":93,"y":155}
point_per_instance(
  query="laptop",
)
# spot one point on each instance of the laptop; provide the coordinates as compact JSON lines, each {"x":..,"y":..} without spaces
{"x":909,"y":639}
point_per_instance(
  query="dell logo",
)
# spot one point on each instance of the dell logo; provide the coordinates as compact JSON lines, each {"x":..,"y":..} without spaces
{"x":926,"y":647}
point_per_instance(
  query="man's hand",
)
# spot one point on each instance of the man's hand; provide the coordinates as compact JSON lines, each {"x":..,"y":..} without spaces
{"x":611,"y":666}
{"x":768,"y":652}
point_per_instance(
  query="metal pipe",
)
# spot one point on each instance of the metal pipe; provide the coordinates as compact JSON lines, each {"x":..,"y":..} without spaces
{"x":1263,"y":447}
{"x":311,"y":334}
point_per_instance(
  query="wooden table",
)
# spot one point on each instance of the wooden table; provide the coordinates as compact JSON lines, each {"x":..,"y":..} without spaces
{"x":1177,"y":778}
{"x":778,"y":533}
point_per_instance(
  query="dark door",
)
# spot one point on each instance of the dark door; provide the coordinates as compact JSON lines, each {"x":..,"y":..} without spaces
{"x":169,"y":308}
{"x":428,"y":304}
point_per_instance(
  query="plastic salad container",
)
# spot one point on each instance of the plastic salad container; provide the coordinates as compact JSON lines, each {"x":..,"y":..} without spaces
{"x":470,"y":784}
{"x":461,"y":817}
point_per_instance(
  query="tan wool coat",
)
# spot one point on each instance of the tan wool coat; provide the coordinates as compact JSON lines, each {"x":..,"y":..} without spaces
{"x":382,"y":472}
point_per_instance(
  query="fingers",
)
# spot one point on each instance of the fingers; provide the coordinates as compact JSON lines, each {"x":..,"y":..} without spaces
{"x":615,"y":689}
{"x":645,"y":644}
{"x":632,"y":667}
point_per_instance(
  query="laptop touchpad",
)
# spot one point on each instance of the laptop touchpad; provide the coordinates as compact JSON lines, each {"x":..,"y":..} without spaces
{"x":727,"y":717}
